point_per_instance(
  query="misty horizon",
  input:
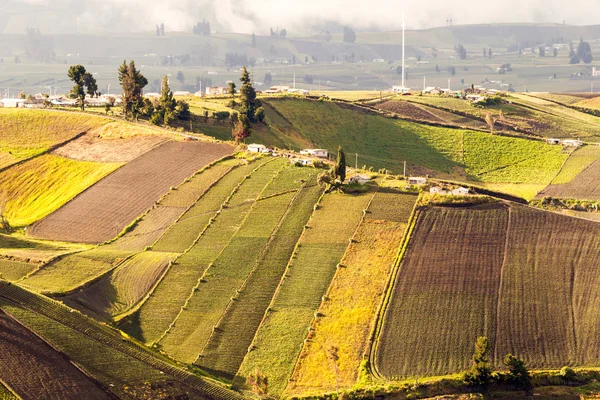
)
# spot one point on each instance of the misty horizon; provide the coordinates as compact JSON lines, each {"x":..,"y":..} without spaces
{"x":258,"y":16}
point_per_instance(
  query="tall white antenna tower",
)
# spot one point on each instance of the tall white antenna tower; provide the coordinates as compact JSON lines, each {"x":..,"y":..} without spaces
{"x":403,"y":70}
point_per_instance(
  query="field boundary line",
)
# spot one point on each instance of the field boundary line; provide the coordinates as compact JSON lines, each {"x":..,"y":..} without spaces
{"x":133,"y":224}
{"x":256,"y":263}
{"x":391,"y":285}
{"x":45,"y":152}
{"x":105,"y":336}
{"x":3,"y":383}
{"x":501,"y":282}
{"x":333,"y":278}
{"x":215,"y":216}
{"x":281,"y":280}
{"x":229,"y":242}
{"x":64,"y":356}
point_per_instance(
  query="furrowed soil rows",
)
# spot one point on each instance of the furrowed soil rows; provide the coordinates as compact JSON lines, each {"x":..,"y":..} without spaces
{"x":448,"y":279}
{"x":585,"y":186}
{"x":320,"y":248}
{"x":128,"y":370}
{"x":102,"y":211}
{"x":550,"y":293}
{"x":348,"y":314}
{"x":229,"y":344}
{"x":122,"y":288}
{"x":208,"y":234}
{"x":35,"y":370}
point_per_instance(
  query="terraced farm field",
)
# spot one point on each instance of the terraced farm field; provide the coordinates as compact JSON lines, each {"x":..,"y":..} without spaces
{"x":522,"y":277}
{"x":50,"y":375}
{"x":100,"y":213}
{"x":127,"y":370}
{"x":124,"y":287}
{"x":42,"y":185}
{"x":348,"y":314}
{"x":584,"y":186}
{"x":322,"y":245}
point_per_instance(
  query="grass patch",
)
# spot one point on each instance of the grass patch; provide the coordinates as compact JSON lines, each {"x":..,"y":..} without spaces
{"x":42,"y":185}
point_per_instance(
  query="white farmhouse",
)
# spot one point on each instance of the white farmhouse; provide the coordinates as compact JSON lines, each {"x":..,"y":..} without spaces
{"x":417,"y":180}
{"x":12,"y":103}
{"x":257,"y":148}
{"x":301,"y":161}
{"x":360,"y":178}
{"x":572,"y":143}
{"x":461,"y":191}
{"x":321,"y":153}
{"x":438,"y":190}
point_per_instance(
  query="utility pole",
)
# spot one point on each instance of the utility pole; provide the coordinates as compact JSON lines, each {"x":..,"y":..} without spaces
{"x":294,"y":80}
{"x":356,"y":162}
{"x":424,"y":87}
{"x":405,"y":169}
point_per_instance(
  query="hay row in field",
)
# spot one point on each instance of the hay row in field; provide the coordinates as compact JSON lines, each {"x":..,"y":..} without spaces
{"x":102,"y":211}
{"x":522,"y":277}
{"x":279,"y":339}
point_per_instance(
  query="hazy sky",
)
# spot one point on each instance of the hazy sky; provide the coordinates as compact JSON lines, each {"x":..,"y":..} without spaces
{"x":299,"y":15}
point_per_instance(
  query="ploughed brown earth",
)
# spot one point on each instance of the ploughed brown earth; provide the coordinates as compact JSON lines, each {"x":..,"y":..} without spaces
{"x":34,"y":370}
{"x":90,"y":147}
{"x":102,"y":211}
{"x":409,"y":110}
{"x":585,"y":186}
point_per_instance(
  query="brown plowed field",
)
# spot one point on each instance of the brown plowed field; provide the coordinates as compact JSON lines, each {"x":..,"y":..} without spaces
{"x":102,"y":211}
{"x":36,"y":371}
{"x":585,"y":186}
{"x":92,"y":148}
{"x":409,"y":110}
{"x":525,"y":278}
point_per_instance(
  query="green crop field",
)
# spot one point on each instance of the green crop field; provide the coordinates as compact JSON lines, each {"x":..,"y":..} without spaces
{"x":67,"y":273}
{"x":510,"y":273}
{"x":37,"y":187}
{"x":349,"y":312}
{"x":319,"y":250}
{"x":577,"y":162}
{"x":124,"y":287}
{"x":161,"y":309}
{"x":22,"y":248}
{"x":228,"y":345}
{"x":228,"y":271}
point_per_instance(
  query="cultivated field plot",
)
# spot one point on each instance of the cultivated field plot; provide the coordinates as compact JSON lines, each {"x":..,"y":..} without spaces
{"x":26,"y":133}
{"x":36,"y":371}
{"x":100,"y":213}
{"x":213,"y":225}
{"x":525,"y":278}
{"x":11,"y":270}
{"x":20,"y":248}
{"x":279,"y":339}
{"x":229,"y":344}
{"x":66,"y":274}
{"x":584,"y":186}
{"x":41,"y":185}
{"x":227,"y":271}
{"x":128,"y":370}
{"x":347,"y":317}
{"x":122,"y":288}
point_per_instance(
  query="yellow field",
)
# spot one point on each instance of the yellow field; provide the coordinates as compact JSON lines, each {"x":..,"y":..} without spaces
{"x":29,"y":132}
{"x":38,"y":187}
{"x":352,"y":301}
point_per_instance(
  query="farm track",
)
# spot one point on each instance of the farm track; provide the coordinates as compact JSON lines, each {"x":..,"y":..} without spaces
{"x":102,"y":211}
{"x":36,"y":309}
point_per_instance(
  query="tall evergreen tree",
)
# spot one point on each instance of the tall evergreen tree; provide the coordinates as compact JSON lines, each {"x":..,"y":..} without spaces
{"x":85,"y":83}
{"x":249,"y":103}
{"x":480,"y":373}
{"x":133,"y":82}
{"x":340,"y":165}
{"x":167,"y":103}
